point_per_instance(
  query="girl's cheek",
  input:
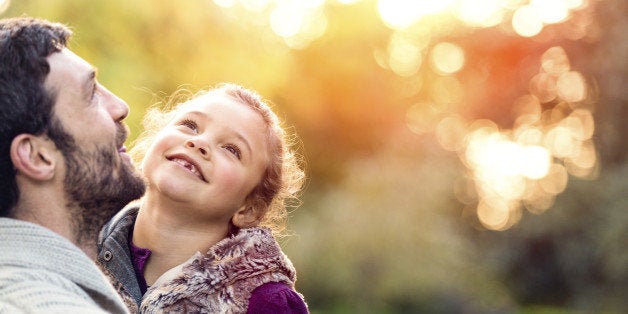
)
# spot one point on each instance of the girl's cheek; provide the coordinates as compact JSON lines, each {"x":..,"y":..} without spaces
{"x":231,"y":177}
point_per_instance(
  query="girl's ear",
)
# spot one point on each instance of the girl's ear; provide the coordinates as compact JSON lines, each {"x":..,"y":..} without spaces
{"x":246,"y":217}
{"x":33,"y":156}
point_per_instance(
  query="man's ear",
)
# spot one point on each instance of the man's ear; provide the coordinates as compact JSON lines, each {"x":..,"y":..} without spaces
{"x":32,"y":156}
{"x":246,"y":217}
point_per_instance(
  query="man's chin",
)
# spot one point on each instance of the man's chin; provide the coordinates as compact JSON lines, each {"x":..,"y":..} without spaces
{"x":132,"y":186}
{"x":108,"y":199}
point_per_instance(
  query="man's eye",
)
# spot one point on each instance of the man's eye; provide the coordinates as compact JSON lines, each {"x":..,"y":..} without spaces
{"x":234,"y":150}
{"x":191,"y":124}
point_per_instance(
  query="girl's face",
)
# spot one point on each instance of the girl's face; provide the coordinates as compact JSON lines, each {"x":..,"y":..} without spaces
{"x":209,"y":157}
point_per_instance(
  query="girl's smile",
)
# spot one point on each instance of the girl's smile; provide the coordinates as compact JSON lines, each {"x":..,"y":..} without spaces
{"x":188,"y":164}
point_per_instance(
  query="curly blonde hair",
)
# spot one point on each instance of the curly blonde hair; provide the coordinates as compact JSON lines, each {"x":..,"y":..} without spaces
{"x":283,"y":178}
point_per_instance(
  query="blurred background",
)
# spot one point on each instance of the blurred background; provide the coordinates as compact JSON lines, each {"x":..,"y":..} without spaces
{"x":463,"y":156}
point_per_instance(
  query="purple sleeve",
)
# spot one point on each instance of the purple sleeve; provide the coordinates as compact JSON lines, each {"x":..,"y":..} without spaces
{"x":276,"y":298}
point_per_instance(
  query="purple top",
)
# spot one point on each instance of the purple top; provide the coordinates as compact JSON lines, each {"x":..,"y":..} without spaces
{"x":275,"y":297}
{"x":139,"y":256}
{"x":269,"y":298}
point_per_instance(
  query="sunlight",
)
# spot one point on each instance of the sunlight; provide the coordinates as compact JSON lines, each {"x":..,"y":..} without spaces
{"x":483,"y":13}
{"x":538,"y":202}
{"x":4,"y":5}
{"x":298,"y":22}
{"x":550,"y":11}
{"x":498,"y":214}
{"x":496,"y":154}
{"x":586,"y":157}
{"x":420,"y":119}
{"x":526,"y":22}
{"x":571,"y":86}
{"x":556,"y":180}
{"x":584,"y":124}
{"x":396,"y":13}
{"x":534,"y":161}
{"x":574,"y":4}
{"x":555,"y":61}
{"x":561,"y":142}
{"x":543,"y":87}
{"x":447,"y":91}
{"x":286,"y":20}
{"x":528,"y":135}
{"x":404,"y":55}
{"x":447,"y":58}
{"x":255,"y":5}
{"x":450,"y":132}
{"x":526,"y":108}
{"x":400,"y":14}
{"x":222,"y":3}
{"x":506,"y":172}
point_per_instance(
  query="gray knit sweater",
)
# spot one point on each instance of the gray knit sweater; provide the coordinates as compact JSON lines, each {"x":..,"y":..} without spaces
{"x":42,"y":272}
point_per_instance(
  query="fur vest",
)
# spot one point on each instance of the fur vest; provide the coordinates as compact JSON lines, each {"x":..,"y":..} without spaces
{"x":222,"y":280}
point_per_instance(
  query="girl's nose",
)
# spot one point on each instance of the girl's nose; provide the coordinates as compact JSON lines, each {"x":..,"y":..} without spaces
{"x":198,"y":145}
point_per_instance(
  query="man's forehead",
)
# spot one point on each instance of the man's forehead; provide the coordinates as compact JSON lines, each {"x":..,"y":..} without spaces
{"x":67,"y":56}
{"x":67,"y":67}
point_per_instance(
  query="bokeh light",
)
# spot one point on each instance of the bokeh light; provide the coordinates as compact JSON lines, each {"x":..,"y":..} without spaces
{"x":481,"y":13}
{"x":420,"y":118}
{"x":571,"y":86}
{"x":400,"y":14}
{"x":447,"y":58}
{"x":286,"y":20}
{"x":225,"y":3}
{"x":526,"y":22}
{"x":4,"y":5}
{"x":529,"y":165}
{"x":405,"y":56}
{"x":550,"y":11}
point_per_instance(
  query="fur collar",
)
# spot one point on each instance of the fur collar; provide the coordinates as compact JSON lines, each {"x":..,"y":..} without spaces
{"x":222,"y":280}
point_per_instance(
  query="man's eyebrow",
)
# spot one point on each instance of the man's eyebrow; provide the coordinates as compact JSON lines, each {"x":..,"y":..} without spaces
{"x":88,"y":83}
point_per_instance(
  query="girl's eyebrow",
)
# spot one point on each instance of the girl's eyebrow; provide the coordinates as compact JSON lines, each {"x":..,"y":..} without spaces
{"x":237,"y":134}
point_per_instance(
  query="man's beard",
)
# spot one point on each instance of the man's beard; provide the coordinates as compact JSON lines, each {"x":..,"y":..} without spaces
{"x":95,"y":188}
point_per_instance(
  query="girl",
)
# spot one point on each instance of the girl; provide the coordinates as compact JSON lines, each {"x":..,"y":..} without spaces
{"x":219,"y":172}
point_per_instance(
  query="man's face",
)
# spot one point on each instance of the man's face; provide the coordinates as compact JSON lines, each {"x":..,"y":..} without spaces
{"x":99,"y":176}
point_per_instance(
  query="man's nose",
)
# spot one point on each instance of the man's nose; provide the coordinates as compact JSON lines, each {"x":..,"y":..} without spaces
{"x":117,"y":108}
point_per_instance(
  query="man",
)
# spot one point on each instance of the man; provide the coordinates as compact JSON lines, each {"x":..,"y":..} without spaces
{"x":64,"y":172}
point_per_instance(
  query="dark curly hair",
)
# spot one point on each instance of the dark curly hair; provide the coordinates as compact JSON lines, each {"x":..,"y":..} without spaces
{"x":25,"y":105}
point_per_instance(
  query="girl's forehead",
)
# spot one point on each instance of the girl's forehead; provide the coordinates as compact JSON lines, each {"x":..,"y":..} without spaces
{"x":206,"y":101}
{"x":211,"y":105}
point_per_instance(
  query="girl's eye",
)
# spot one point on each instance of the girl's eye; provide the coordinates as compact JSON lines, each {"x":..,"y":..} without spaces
{"x":234,"y":150}
{"x":190,"y":124}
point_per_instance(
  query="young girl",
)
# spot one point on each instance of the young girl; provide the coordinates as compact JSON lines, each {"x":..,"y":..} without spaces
{"x":219,"y":172}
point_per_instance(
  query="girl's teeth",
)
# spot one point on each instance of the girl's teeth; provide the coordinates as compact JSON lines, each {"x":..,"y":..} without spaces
{"x":188,"y":166}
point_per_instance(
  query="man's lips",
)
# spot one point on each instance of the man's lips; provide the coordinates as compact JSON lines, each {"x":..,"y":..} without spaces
{"x":188,"y":164}
{"x":123,"y":154}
